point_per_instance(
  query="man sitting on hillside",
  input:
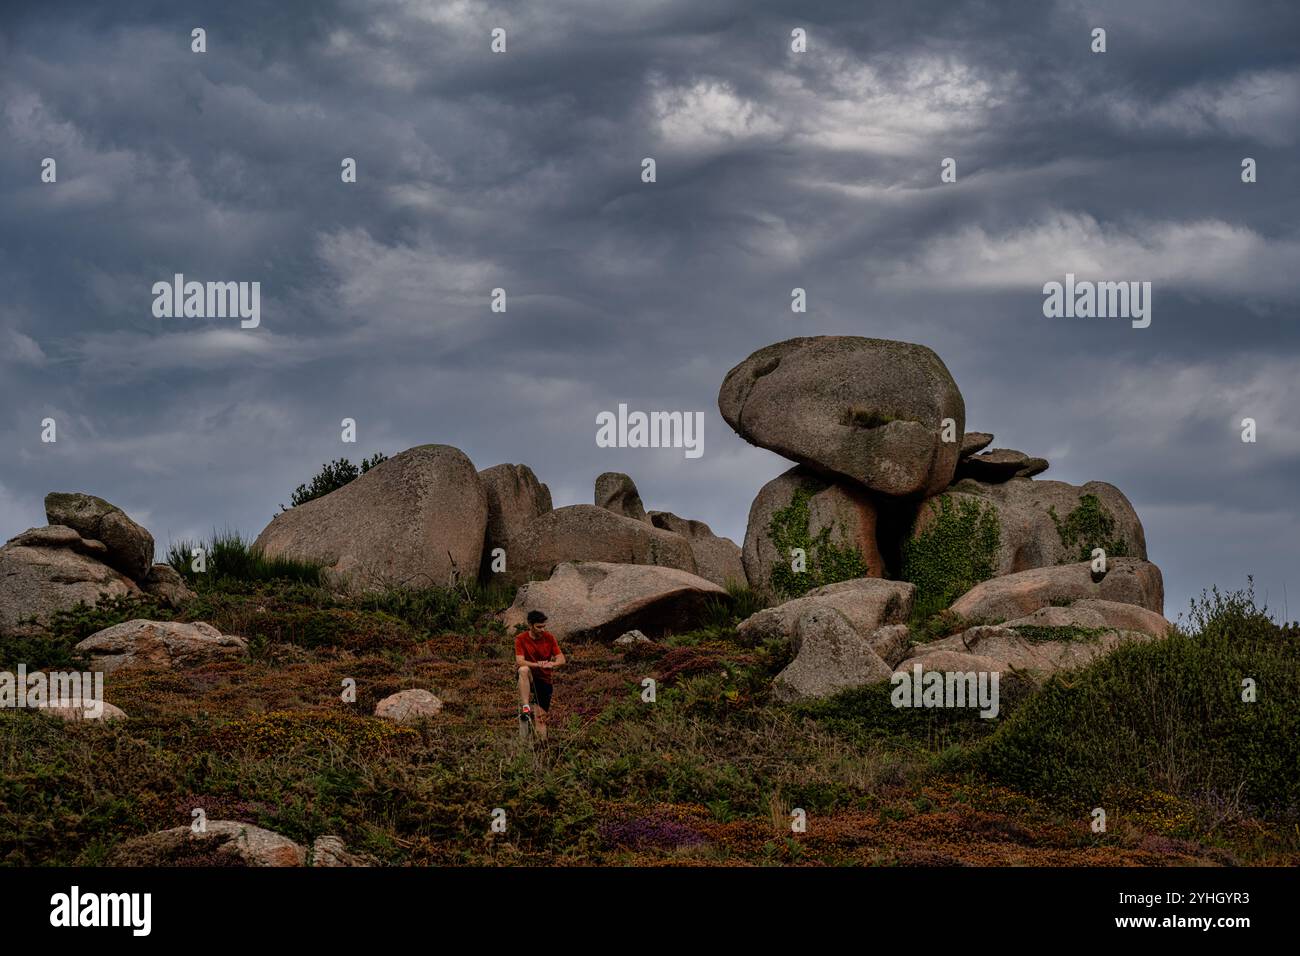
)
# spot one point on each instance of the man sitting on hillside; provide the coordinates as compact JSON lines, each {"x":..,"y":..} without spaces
{"x":537,"y":653}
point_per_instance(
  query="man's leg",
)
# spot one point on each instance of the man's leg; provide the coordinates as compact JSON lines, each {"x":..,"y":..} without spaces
{"x":525,"y":684}
{"x":543,"y":704}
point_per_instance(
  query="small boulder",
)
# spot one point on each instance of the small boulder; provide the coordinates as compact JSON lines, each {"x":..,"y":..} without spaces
{"x":1000,"y":464}
{"x":596,"y":601}
{"x":871,"y":410}
{"x":102,"y":712}
{"x":226,"y":840}
{"x":845,"y":513}
{"x":129,"y":546}
{"x":830,"y":656}
{"x":617,"y":492}
{"x":330,"y":851}
{"x":417,"y":519}
{"x":142,"y":643}
{"x":973,"y":442}
{"x":588,"y":533}
{"x":632,"y":637}
{"x":866,"y":603}
{"x":166,"y":584}
{"x":717,"y":559}
{"x":1012,"y":596}
{"x":409,"y":706}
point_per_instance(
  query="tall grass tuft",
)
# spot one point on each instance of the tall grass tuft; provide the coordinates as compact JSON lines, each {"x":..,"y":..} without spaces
{"x":229,"y":558}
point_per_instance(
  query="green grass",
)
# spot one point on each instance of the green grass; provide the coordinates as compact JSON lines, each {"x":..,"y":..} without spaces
{"x":229,"y":558}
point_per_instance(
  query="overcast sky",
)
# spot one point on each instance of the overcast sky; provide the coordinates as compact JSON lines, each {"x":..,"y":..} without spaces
{"x":522,"y":170}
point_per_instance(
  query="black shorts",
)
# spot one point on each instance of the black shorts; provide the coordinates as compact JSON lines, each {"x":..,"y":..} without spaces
{"x":541,"y":691}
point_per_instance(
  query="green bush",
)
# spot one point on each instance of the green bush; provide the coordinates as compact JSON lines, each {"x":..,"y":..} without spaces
{"x":331,"y":477}
{"x":1168,"y":716}
{"x":827,"y":561}
{"x":1088,"y":526}
{"x":955,"y":552}
{"x":464,"y":609}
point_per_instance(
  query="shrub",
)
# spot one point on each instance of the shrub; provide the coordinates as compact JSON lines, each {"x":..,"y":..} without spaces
{"x":462,"y":609}
{"x":53,"y":645}
{"x":827,"y":561}
{"x":331,"y":477}
{"x":1088,"y":526}
{"x":1168,"y":717}
{"x":955,"y":552}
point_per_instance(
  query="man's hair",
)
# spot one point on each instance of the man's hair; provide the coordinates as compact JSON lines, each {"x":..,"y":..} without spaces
{"x":536,"y":617}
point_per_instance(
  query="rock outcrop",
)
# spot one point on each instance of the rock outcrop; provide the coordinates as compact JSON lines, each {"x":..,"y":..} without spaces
{"x":865,"y":603}
{"x":1046,"y":523}
{"x":514,"y":498}
{"x":617,"y":492}
{"x":1012,"y":596}
{"x":596,"y":601}
{"x":47,"y":570}
{"x":831,"y":655}
{"x":717,"y":559}
{"x":418,"y":519}
{"x":588,"y":533}
{"x":129,"y":547}
{"x":809,"y":506}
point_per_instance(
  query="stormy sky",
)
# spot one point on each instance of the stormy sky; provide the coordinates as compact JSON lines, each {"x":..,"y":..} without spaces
{"x":522,"y":171}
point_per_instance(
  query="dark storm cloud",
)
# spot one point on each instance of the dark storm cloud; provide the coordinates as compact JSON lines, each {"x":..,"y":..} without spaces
{"x":522,"y":171}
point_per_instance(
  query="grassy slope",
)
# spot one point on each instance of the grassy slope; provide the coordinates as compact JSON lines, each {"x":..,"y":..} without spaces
{"x":707,"y":774}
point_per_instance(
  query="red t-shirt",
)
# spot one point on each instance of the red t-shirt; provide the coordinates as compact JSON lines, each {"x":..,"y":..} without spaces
{"x":534,"y":649}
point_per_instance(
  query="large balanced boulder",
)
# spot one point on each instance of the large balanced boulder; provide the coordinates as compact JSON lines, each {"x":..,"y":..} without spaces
{"x":129,"y":546}
{"x":617,"y":492}
{"x":142,"y":643}
{"x":831,"y":655}
{"x":1044,"y":523}
{"x":872,"y":410}
{"x":717,"y":559}
{"x":588,"y":533}
{"x":591,"y":600}
{"x":417,"y":519}
{"x":866,"y":603}
{"x":806,"y":505}
{"x":46,"y":570}
{"x":514,"y":498}
{"x":1012,"y":596}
